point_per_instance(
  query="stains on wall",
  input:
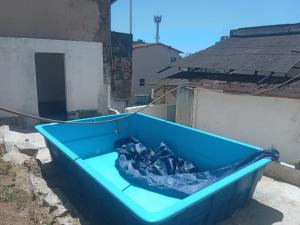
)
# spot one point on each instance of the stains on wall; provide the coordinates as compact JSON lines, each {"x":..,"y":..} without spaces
{"x":76,"y":20}
{"x":121,"y":65}
{"x":185,"y":106}
{"x":103,"y":35}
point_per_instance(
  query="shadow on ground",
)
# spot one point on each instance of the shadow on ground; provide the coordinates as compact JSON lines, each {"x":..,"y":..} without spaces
{"x":71,"y":199}
{"x":255,"y":213}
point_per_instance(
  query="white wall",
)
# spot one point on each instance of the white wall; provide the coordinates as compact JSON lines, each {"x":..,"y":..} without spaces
{"x":146,"y":62}
{"x":83,"y":71}
{"x":184,"y":106}
{"x":163,"y":111}
{"x":261,"y":121}
{"x":159,"y":111}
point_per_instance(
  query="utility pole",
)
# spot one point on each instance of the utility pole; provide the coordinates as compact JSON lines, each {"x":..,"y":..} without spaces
{"x":157,"y":20}
{"x":130,"y":16}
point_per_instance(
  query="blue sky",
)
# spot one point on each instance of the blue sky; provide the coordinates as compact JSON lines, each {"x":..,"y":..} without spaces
{"x":192,"y":25}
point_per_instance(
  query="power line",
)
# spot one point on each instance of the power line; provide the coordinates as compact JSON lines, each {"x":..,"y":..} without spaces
{"x":276,"y":86}
{"x":4,"y":109}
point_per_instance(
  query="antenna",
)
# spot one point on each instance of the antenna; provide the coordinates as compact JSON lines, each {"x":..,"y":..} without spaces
{"x":157,"y":20}
{"x":130,"y":16}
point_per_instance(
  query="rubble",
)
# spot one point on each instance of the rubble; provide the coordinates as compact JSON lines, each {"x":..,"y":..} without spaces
{"x":51,"y":200}
{"x":29,"y":151}
{"x":15,"y":157}
{"x":10,"y":139}
{"x":3,"y":130}
{"x":15,"y":141}
{"x":27,"y":148}
{"x":43,"y":155}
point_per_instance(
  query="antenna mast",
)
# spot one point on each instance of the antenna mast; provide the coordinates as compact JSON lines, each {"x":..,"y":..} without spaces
{"x":157,"y":20}
{"x":130,"y":16}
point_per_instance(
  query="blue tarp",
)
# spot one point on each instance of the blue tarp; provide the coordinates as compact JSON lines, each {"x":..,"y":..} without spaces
{"x":164,"y":172}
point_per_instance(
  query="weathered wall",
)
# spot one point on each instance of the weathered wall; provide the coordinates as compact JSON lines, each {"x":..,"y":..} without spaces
{"x":146,"y":62}
{"x":184,"y":106}
{"x":262,"y":121}
{"x":162,"y":111}
{"x":121,"y":66}
{"x":77,"y":20}
{"x":80,"y":20}
{"x":169,"y":99}
{"x":83,"y":71}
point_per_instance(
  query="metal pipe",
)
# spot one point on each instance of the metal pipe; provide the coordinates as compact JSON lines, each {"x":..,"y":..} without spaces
{"x":130,"y":16}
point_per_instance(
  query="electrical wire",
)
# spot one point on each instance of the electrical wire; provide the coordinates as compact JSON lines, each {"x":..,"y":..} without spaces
{"x":4,"y":109}
{"x":276,"y":86}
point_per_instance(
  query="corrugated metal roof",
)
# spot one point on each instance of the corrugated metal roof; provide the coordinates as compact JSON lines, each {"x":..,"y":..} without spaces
{"x":268,"y":53}
{"x":279,"y":29}
{"x":286,"y":91}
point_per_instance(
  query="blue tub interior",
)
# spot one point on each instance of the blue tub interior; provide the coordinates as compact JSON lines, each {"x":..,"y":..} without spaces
{"x":91,"y":147}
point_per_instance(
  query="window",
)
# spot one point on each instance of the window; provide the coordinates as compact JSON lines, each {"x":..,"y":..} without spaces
{"x":142,"y":82}
{"x":173,"y":59}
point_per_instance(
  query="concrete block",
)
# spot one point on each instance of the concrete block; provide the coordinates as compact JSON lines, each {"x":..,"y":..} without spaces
{"x":38,"y":186}
{"x":4,"y":129}
{"x":51,"y":200}
{"x":16,"y":158}
{"x":11,"y":139}
{"x":36,"y":139}
{"x":60,"y":211}
{"x":27,"y":148}
{"x":43,"y":155}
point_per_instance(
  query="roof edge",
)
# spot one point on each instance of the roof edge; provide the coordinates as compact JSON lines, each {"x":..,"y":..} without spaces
{"x":145,"y":45}
{"x":268,"y":30}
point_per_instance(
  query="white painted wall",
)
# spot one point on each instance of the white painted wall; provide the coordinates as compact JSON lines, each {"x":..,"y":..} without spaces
{"x":83,"y":71}
{"x":146,"y":62}
{"x":184,"y":106}
{"x":258,"y":120}
{"x":163,"y":111}
{"x":159,"y":111}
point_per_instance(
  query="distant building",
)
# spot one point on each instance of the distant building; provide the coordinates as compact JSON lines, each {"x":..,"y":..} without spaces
{"x":56,"y":59}
{"x":246,"y":87}
{"x":148,"y":59}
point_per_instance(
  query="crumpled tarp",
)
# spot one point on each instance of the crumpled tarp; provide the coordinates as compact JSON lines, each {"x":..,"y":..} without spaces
{"x":164,"y":172}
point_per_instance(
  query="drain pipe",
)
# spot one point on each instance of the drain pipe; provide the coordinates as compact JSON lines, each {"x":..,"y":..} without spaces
{"x":113,"y":111}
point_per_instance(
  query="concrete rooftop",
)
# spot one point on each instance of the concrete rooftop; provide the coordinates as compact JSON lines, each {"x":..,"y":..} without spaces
{"x":273,"y":203}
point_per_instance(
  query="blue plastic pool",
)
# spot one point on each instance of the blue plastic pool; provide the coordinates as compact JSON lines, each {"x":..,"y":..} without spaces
{"x":86,"y":154}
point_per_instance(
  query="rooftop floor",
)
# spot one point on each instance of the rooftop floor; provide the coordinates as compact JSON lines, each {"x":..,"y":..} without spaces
{"x":273,"y":202}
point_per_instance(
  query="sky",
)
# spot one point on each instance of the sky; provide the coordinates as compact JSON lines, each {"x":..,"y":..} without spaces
{"x":193,"y":25}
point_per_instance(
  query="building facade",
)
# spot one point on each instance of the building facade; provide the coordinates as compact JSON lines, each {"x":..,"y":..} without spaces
{"x":56,"y":58}
{"x":148,"y":60}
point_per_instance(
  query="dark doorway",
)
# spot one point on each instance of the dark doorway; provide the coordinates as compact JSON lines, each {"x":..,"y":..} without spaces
{"x":50,"y":79}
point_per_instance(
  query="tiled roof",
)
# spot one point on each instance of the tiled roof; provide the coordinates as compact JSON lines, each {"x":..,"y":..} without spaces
{"x":143,"y":45}
{"x":248,"y":86}
{"x":271,"y":53}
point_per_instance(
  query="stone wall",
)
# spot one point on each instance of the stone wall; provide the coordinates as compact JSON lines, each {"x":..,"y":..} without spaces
{"x":121,"y":65}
